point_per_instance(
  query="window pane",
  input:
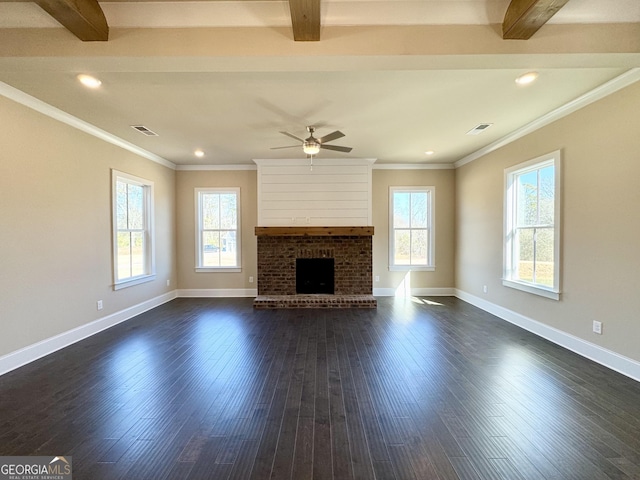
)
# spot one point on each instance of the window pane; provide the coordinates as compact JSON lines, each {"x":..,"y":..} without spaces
{"x":210,"y":249}
{"x":136,"y":207}
{"x":137,"y":254}
{"x":121,"y":205}
{"x":402,"y":241}
{"x":228,"y":211}
{"x":524,"y":254}
{"x":123,"y":253}
{"x":228,"y":250}
{"x":210,"y":211}
{"x":401,"y":210}
{"x":531,"y":234}
{"x":419,"y":210}
{"x":419,"y":247}
{"x":133,"y":210}
{"x":544,"y":256}
{"x":218,"y":229}
{"x":547,"y":186}
{"x":527,"y":200}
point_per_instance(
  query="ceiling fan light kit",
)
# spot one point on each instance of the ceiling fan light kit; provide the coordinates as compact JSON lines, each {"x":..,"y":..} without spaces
{"x":310,"y":148}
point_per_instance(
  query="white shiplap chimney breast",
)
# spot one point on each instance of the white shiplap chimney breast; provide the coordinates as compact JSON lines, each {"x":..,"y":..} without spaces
{"x":334,"y":192}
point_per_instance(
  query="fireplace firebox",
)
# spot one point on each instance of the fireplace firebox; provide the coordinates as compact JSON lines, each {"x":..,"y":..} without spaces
{"x":315,"y":275}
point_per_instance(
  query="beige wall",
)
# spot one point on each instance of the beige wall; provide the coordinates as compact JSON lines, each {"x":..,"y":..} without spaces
{"x":186,"y":182}
{"x":55,"y":228}
{"x":600,"y":147}
{"x":444,"y":183}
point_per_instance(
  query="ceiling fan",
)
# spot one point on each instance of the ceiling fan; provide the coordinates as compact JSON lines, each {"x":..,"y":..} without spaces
{"x":312,"y":145}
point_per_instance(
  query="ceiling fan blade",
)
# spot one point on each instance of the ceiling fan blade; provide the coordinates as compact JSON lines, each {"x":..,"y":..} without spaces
{"x":292,"y":136}
{"x":337,"y":148}
{"x":289,"y":146}
{"x":332,"y":136}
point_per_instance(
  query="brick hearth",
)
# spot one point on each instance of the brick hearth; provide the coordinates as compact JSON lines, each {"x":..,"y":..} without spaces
{"x":314,"y":301}
{"x":278,"y":249}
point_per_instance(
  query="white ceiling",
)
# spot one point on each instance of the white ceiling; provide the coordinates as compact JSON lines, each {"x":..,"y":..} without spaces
{"x":232,"y":106}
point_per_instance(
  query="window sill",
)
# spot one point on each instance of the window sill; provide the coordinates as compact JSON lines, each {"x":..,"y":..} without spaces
{"x":413,"y":268}
{"x":535,"y":290}
{"x":134,"y":281}
{"x":218,"y":269}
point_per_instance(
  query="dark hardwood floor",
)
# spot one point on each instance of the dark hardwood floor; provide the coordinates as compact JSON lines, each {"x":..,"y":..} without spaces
{"x":427,"y":389}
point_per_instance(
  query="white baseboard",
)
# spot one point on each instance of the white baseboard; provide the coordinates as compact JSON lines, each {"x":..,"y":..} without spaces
{"x":218,"y":292}
{"x":603,"y":356}
{"x":28,"y":354}
{"x":415,"y":292}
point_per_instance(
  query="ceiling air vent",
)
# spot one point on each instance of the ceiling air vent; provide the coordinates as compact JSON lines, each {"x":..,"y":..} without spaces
{"x":478,"y":129}
{"x":144,"y":130}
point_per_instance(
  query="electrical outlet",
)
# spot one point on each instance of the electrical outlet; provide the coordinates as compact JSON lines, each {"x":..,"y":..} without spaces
{"x":168,"y":282}
{"x":377,"y":278}
{"x":597,"y":327}
{"x":250,"y":279}
{"x":485,"y":289}
{"x":99,"y":304}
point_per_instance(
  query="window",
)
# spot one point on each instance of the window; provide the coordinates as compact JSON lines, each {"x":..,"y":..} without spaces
{"x":532,"y":233}
{"x":411,"y":228}
{"x":218,"y":229}
{"x":133,"y":261}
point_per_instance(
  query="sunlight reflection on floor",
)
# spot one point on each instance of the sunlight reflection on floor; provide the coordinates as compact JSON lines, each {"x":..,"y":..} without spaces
{"x":425,"y":301}
{"x":404,"y":290}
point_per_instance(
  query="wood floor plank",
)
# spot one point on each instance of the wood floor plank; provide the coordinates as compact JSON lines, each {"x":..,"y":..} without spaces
{"x":428,"y":388}
{"x":340,"y":448}
{"x":303,"y":456}
{"x":322,"y":459}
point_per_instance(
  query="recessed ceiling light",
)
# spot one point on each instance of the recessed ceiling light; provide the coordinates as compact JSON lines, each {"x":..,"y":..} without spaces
{"x":527,"y":78}
{"x":429,"y":152}
{"x":199,"y":153}
{"x":89,"y":81}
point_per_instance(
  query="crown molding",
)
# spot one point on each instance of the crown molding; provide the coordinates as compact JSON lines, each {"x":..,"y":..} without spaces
{"x":215,"y":167}
{"x":414,"y":166}
{"x":50,"y":111}
{"x":621,"y":81}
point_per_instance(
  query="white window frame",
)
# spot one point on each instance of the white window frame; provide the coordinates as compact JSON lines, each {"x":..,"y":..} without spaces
{"x":149,"y":237}
{"x":510,"y":198}
{"x":198,"y":210}
{"x":431,"y":203}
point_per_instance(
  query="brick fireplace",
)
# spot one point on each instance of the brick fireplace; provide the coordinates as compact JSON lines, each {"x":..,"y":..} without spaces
{"x":349,"y":247}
